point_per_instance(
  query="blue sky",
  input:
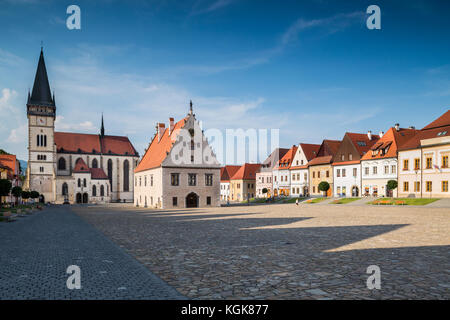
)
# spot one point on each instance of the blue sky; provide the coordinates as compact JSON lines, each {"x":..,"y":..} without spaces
{"x":309,"y":68}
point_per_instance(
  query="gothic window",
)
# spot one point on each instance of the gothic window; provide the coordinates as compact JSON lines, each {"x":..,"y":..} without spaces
{"x":84,"y":182}
{"x":102,"y":190}
{"x":110,"y":169}
{"x":62,"y":164}
{"x":79,"y":183}
{"x":94,"y":190}
{"x":94,"y":163}
{"x":65,"y":189}
{"x":126,"y":176}
{"x":45,"y":140}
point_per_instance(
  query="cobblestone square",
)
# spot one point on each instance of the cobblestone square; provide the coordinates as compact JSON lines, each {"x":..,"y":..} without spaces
{"x":286,"y":251}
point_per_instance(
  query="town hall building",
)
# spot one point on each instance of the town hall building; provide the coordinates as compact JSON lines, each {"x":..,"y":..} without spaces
{"x":69,"y":167}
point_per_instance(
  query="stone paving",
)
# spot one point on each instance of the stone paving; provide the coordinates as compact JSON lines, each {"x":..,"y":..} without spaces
{"x":286,"y":251}
{"x":35,"y":252}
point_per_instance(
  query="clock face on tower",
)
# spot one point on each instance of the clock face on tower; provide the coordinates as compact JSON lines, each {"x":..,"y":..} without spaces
{"x":41,"y":121}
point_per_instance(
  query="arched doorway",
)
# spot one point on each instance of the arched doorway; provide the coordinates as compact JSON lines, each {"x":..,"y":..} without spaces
{"x":41,"y":198}
{"x":355,"y":191}
{"x":192,"y":200}
{"x":85,"y":198}
{"x":79,"y":200}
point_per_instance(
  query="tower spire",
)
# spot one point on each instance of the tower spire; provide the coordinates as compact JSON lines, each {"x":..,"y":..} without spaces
{"x":190,"y":107}
{"x":41,"y":94}
{"x":102,"y":129}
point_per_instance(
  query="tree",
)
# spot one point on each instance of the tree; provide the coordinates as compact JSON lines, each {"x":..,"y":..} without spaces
{"x":5,"y":188}
{"x":324,"y":186}
{"x":16,"y":192}
{"x":264,"y":190}
{"x":34,"y":195}
{"x":392,"y":185}
{"x":25,"y":195}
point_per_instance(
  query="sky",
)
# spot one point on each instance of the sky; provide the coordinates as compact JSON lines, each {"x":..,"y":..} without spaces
{"x":311,"y":69}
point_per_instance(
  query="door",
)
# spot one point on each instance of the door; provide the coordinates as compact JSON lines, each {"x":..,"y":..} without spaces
{"x":79,"y":198}
{"x":85,"y":198}
{"x":192,"y":200}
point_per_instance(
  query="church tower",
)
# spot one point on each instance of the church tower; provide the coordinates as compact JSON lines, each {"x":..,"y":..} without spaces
{"x":41,"y":113}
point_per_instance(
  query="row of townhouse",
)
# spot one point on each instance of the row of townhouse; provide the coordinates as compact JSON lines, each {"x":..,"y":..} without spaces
{"x":362,"y":164}
{"x":238,"y":183}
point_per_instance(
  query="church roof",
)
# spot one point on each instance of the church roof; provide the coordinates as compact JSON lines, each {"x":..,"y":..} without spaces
{"x":68,"y":142}
{"x":41,"y":94}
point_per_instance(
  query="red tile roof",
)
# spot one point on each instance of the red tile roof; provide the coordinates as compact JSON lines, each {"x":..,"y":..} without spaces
{"x":392,"y":138}
{"x":362,"y":137}
{"x":287,"y":159}
{"x":310,"y":150}
{"x":247,"y":172}
{"x":227,"y":172}
{"x":443,"y":120}
{"x":93,"y":144}
{"x":81,"y":167}
{"x":320,"y":160}
{"x":98,"y":174}
{"x":158,"y":150}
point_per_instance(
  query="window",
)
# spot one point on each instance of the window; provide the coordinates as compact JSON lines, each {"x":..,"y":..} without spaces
{"x":429,"y":186}
{"x":305,"y":176}
{"x":405,"y":186}
{"x":338,"y":190}
{"x":374,"y":170}
{"x":416,"y":164}
{"x":429,"y":163}
{"x":79,"y":183}
{"x":445,"y":186}
{"x":192,"y":158}
{"x":126,"y":176}
{"x":386,"y":169}
{"x":84,"y":183}
{"x":94,"y":163}
{"x":405,"y":164}
{"x":174,"y":201}
{"x":393,"y":169}
{"x":140,"y":181}
{"x":102,"y":191}
{"x":175,"y":179}
{"x":208,"y":201}
{"x":338,"y":172}
{"x":343,"y":173}
{"x":145,"y":181}
{"x":366,"y":171}
{"x":192,"y":179}
{"x":417,"y":186}
{"x":344,"y":191}
{"x":94,"y":190}
{"x":444,"y":161}
{"x":62,"y":164}
{"x":110,"y":173}
{"x":151,"y":180}
{"x":314,"y":174}
{"x":355,"y":172}
{"x":350,"y":156}
{"x":208,"y":179}
{"x":65,"y":189}
{"x":314,"y":189}
{"x":342,"y":157}
{"x":318,"y":174}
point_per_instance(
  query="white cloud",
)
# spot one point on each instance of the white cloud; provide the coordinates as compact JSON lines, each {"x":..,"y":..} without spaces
{"x":82,"y":127}
{"x":19,"y":135}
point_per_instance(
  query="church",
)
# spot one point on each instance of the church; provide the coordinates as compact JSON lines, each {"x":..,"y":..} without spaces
{"x":67,"y":167}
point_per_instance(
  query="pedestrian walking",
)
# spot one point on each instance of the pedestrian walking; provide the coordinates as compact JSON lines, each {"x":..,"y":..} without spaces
{"x":296,"y":201}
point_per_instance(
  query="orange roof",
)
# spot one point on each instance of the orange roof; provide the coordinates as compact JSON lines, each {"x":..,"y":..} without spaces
{"x":443,"y":120}
{"x":93,"y":144}
{"x":227,"y":172}
{"x":287,"y":159}
{"x":320,"y":160}
{"x":158,"y":150}
{"x":98,"y":173}
{"x":298,"y":167}
{"x":247,"y":172}
{"x":82,"y":167}
{"x":9,"y":160}
{"x":392,"y":139}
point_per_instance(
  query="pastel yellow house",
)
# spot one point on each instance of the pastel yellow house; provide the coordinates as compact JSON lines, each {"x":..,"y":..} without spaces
{"x":424,"y":169}
{"x":243,"y":182}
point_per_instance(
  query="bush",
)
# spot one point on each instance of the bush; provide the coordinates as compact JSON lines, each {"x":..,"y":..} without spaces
{"x":34,"y":194}
{"x":324,"y":186}
{"x":392,"y":184}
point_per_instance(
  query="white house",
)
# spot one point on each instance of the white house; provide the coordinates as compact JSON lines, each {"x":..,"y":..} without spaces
{"x":299,"y":168}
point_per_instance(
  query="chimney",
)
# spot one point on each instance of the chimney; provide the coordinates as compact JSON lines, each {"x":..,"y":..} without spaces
{"x":369,"y":134}
{"x":397,"y":126}
{"x":161,"y":128}
{"x":381,"y":134}
{"x":171,"y":125}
